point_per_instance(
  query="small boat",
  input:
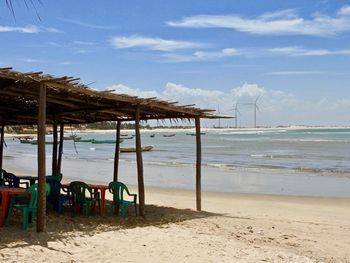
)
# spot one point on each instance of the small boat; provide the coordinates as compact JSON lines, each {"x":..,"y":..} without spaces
{"x":128,"y":138}
{"x":133,"y":149}
{"x":72,"y":137}
{"x":35,"y":142}
{"x":24,"y":137}
{"x":169,"y":135}
{"x":152,"y":135}
{"x":194,"y":134}
{"x":105,"y":141}
{"x":26,"y":140}
{"x":85,"y":140}
{"x":124,"y":135}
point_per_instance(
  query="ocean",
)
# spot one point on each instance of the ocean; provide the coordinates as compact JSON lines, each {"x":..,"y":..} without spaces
{"x":274,"y":161}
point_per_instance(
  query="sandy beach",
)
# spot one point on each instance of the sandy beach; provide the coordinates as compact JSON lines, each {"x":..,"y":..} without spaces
{"x":287,"y":221}
{"x":231,"y":228}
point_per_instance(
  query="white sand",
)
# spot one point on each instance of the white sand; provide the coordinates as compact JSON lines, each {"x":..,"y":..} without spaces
{"x":235,"y":228}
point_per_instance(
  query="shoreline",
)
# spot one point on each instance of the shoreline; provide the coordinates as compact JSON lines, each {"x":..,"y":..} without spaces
{"x":245,"y":181}
{"x":192,"y":129}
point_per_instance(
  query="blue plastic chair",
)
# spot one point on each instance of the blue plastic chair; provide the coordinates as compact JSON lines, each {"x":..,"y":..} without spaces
{"x":55,"y":198}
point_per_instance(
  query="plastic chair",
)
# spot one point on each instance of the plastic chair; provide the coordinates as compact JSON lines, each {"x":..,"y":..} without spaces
{"x":78,"y":190}
{"x":2,"y":173}
{"x":55,"y":197}
{"x":12,"y":180}
{"x":118,"y":189}
{"x":56,"y":177}
{"x":27,"y":203}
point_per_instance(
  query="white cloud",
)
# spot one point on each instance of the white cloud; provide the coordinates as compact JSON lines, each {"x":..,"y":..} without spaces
{"x":151,"y":43}
{"x":30,"y":60}
{"x":51,"y":30}
{"x":282,"y":73}
{"x":201,"y":55}
{"x":67,"y":63}
{"x":283,"y":22}
{"x":84,"y":43}
{"x":343,"y":104}
{"x":299,"y":51}
{"x":29,"y":29}
{"x":277,"y":107}
{"x":248,"y":90}
{"x":122,"y":89}
{"x":345,"y":11}
{"x":84,"y":24}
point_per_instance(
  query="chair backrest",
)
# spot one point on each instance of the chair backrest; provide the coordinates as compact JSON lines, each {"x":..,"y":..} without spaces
{"x":117,"y":189}
{"x":32,"y":194}
{"x":56,"y":177}
{"x":55,"y":188}
{"x":78,"y":189}
{"x":11,"y":180}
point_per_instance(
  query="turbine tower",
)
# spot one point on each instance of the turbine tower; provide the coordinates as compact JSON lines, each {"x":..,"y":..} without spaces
{"x":219,"y":115}
{"x":236,"y":113}
{"x":256,"y":107}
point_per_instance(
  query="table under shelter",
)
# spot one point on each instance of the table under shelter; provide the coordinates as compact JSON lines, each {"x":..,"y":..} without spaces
{"x":39,"y":99}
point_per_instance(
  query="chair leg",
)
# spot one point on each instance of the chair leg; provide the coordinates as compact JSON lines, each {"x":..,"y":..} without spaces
{"x":25,"y":218}
{"x":88,"y":207}
{"x":59,"y":206}
{"x":135,"y":209}
{"x":8,"y":218}
{"x":117,"y":209}
{"x":124,"y":207}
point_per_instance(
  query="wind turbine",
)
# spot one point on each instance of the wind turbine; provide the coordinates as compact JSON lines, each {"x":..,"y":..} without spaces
{"x":256,"y":107}
{"x":219,"y":115}
{"x":236,"y":113}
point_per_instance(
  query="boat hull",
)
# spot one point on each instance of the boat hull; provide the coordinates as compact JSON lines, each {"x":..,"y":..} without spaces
{"x":129,"y":150}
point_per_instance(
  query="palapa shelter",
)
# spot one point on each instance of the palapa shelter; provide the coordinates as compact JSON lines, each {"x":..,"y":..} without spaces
{"x":39,"y":99}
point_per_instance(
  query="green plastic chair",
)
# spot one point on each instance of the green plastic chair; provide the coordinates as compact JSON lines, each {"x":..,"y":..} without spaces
{"x":118,"y":189}
{"x":79,"y":190}
{"x":27,"y":203}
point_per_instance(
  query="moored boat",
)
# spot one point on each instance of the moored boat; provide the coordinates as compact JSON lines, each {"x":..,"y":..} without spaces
{"x":36,"y":142}
{"x":194,"y":134}
{"x":133,"y":149}
{"x":72,"y":137}
{"x":105,"y":141}
{"x":169,"y":135}
{"x":25,"y":140}
{"x":85,"y":140}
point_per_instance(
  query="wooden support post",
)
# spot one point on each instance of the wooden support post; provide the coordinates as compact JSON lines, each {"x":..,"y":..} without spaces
{"x":2,"y":144}
{"x":117,"y":151}
{"x":41,"y":215}
{"x":54,"y":149}
{"x":139,"y":164}
{"x":198,"y":164}
{"x":60,"y":150}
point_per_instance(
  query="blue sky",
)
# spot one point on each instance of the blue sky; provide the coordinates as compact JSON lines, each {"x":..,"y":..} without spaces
{"x":294,"y":54}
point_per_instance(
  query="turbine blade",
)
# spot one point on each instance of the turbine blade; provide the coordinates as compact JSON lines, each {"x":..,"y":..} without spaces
{"x":257,"y":99}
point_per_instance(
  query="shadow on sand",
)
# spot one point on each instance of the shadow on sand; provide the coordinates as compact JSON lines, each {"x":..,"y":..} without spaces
{"x":66,"y":225}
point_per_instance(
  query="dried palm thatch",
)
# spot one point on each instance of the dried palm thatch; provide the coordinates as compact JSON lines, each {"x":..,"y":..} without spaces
{"x":71,"y":102}
{"x":28,"y":3}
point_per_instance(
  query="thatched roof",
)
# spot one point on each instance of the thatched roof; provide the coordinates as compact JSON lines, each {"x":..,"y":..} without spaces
{"x":70,"y":102}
